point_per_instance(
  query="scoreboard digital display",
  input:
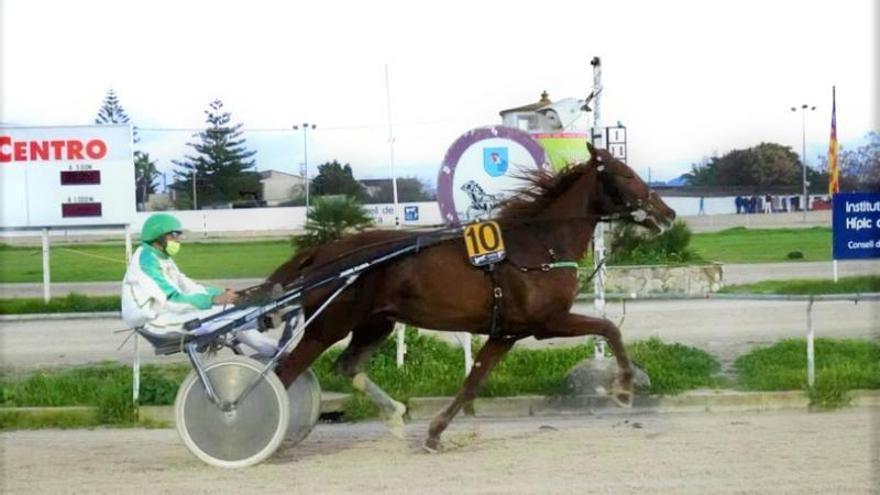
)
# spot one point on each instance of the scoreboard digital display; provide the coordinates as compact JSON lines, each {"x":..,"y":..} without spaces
{"x":80,"y":177}
{"x":77,"y":210}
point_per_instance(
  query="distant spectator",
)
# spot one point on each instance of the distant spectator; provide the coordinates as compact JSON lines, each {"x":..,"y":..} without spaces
{"x":739,"y":204}
{"x":768,"y":204}
{"x":702,"y":206}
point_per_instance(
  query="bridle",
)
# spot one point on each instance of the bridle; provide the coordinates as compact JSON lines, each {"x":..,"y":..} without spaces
{"x":636,"y":208}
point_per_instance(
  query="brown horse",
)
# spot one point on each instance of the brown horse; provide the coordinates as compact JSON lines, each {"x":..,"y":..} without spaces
{"x":550,"y":221}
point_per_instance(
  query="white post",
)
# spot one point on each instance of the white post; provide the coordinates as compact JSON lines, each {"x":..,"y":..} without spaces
{"x":401,"y":343}
{"x":47,"y":296}
{"x":811,"y":352}
{"x":834,"y":269}
{"x":136,"y":372}
{"x":127,"y":244}
{"x":598,"y":141}
{"x":136,"y":360}
{"x":465,"y":339}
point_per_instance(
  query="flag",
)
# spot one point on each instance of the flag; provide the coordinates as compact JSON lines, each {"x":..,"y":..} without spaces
{"x":833,"y":148}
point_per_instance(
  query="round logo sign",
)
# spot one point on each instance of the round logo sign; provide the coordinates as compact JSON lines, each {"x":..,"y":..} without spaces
{"x":479,"y":171}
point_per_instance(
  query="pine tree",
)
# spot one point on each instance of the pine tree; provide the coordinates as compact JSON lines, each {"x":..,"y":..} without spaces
{"x":111,"y":112}
{"x":222,"y":170}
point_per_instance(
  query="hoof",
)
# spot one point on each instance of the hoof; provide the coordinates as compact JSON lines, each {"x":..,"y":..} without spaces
{"x":622,"y":398}
{"x":395,"y":422}
{"x":432,"y":445}
{"x":622,"y":392}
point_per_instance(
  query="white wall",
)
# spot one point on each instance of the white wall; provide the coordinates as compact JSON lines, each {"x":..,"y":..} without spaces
{"x":283,"y":219}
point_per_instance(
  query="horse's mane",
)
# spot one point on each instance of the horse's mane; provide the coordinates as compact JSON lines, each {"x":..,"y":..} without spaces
{"x":543,"y":187}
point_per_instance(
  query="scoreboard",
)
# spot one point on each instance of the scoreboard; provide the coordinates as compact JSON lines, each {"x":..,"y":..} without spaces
{"x":66,"y":176}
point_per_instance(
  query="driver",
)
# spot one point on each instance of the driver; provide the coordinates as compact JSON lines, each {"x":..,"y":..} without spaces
{"x":157,"y":296}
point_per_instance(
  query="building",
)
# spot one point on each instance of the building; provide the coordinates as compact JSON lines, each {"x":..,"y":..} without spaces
{"x":281,"y":187}
{"x":546,"y":115}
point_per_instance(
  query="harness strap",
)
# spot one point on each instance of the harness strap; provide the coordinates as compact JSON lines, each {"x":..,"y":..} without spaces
{"x":546,"y":267}
{"x":496,"y":326}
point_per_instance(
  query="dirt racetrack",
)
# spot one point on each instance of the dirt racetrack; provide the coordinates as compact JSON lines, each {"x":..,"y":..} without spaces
{"x":772,"y":452}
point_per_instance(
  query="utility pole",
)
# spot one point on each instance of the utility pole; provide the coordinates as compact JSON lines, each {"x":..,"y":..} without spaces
{"x":598,"y":141}
{"x":804,"y":109}
{"x":305,"y":127}
{"x":195,"y":197}
{"x":391,"y":151}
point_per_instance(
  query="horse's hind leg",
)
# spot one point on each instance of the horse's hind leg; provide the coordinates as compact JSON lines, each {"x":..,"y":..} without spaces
{"x":573,"y":325}
{"x":486,"y":359}
{"x":365,"y":340}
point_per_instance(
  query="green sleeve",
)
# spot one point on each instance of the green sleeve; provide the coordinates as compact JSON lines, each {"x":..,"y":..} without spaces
{"x":201,"y":301}
{"x":214,"y":291}
{"x":150,"y":266}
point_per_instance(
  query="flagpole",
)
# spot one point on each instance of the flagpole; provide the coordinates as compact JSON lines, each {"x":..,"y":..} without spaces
{"x":400,"y":328}
{"x":833,"y":165}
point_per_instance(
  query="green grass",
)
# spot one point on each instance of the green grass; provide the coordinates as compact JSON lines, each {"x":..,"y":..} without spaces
{"x":674,"y":368}
{"x":73,"y":303}
{"x":64,"y":419}
{"x":91,"y":385}
{"x":742,"y":245}
{"x":844,"y":285}
{"x":841,"y":365}
{"x":433,"y":368}
{"x":102,"y":262}
{"x":209,"y":260}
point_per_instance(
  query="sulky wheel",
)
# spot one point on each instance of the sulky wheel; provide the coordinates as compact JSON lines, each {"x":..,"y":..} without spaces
{"x":304,"y":395}
{"x":243,"y":436}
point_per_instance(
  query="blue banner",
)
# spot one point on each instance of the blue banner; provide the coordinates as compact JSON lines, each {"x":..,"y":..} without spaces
{"x":856,"y":220}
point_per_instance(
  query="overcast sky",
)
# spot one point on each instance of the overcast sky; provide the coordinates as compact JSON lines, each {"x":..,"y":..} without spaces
{"x":688,"y":78}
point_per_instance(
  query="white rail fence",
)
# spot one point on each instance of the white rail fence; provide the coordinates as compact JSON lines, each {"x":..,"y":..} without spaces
{"x":465,"y":338}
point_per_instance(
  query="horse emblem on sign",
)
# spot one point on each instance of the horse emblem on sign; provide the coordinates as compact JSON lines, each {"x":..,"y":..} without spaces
{"x":480,"y":170}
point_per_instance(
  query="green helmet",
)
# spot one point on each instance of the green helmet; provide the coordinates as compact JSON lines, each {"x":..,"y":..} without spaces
{"x":158,"y":225}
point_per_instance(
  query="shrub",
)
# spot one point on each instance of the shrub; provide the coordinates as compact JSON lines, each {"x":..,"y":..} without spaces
{"x":674,"y":368}
{"x":633,"y":245}
{"x":330,"y":218}
{"x":841,"y":365}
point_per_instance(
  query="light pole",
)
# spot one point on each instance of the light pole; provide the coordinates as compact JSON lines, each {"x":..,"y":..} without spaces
{"x":195,"y":196}
{"x":804,"y":109}
{"x":305,"y":128}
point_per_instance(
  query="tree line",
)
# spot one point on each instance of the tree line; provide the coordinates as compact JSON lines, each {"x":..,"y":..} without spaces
{"x":220,"y":169}
{"x":771,"y":165}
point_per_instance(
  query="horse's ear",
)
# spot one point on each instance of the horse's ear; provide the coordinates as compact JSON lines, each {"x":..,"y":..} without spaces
{"x":590,"y":148}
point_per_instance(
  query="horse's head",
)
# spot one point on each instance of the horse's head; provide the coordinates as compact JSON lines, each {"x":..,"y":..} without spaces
{"x":624,"y":194}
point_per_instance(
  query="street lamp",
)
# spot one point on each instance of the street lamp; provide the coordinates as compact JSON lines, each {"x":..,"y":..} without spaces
{"x":804,"y":109}
{"x":305,"y":127}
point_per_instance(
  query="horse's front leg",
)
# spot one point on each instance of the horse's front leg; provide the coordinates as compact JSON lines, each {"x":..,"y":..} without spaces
{"x":492,"y":352}
{"x":575,"y":325}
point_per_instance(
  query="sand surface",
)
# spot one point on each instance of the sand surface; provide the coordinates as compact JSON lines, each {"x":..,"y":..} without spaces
{"x":780,"y":452}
